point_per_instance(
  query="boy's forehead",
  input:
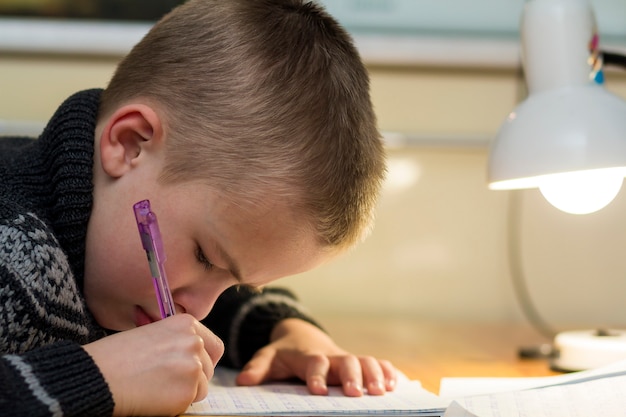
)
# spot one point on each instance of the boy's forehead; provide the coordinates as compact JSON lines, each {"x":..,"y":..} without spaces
{"x":271,"y":219}
{"x":258,"y":238}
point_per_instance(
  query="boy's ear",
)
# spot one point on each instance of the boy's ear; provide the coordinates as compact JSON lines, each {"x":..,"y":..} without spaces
{"x":131,"y":130}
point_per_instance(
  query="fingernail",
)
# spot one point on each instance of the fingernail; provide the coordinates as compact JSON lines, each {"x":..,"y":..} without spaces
{"x":319,"y":382}
{"x":355,"y":385}
{"x":376,"y":387}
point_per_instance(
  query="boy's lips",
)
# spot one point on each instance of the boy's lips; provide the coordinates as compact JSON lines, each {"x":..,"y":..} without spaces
{"x":142,"y":317}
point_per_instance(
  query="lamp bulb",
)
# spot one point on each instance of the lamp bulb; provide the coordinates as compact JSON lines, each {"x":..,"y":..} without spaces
{"x":582,"y":192}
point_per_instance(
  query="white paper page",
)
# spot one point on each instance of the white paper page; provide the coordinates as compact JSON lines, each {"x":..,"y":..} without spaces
{"x":456,"y":410}
{"x":292,"y":399}
{"x":598,"y":397}
{"x":462,"y":387}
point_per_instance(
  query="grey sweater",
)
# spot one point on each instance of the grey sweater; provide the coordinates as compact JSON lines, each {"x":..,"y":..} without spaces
{"x":45,"y":204}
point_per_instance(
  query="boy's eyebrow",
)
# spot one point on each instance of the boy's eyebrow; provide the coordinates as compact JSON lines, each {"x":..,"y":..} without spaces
{"x":232,"y":266}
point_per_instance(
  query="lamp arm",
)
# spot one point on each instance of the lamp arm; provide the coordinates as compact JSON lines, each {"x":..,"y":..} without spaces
{"x":516,"y":269}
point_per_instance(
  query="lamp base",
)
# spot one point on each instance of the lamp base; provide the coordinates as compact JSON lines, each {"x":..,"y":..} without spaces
{"x":587,"y":349}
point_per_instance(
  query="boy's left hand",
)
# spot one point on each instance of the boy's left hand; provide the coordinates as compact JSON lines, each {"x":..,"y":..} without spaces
{"x":299,"y":349}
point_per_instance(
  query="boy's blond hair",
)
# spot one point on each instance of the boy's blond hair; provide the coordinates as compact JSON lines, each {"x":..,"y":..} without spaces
{"x":263,"y":99}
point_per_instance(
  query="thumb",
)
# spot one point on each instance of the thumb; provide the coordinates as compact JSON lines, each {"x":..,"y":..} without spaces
{"x":258,"y":369}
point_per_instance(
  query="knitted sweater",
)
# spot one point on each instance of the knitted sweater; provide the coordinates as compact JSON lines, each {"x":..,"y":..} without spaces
{"x":46,"y":196}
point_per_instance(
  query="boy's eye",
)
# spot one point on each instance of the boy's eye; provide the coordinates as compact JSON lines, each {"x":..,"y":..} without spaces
{"x":203,"y":259}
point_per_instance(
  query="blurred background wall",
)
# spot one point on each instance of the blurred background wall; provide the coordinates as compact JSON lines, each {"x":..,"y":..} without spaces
{"x":440,"y":246}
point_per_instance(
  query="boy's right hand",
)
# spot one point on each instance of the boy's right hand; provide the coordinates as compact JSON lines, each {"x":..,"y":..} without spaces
{"x":159,"y":368}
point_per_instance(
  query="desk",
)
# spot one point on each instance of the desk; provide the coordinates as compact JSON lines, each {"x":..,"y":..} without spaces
{"x":428,"y":351}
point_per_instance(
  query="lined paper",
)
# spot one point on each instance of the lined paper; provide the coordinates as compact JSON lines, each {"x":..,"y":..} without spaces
{"x":294,"y":399}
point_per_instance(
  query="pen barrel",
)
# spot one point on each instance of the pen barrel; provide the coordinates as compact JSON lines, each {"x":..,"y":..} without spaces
{"x":164,"y":298}
{"x":164,"y":295}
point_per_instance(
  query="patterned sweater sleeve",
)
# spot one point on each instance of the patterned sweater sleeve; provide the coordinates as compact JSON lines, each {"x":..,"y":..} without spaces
{"x":244,"y":318}
{"x":59,"y":379}
{"x":44,"y":371}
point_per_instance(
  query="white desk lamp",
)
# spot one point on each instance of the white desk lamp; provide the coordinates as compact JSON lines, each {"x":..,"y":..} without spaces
{"x":568,"y":138}
{"x":569,"y":129}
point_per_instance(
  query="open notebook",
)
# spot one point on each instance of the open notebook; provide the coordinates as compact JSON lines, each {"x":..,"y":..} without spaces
{"x":293,"y":399}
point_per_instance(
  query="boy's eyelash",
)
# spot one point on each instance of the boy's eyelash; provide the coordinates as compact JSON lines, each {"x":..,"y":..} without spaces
{"x":203,"y":259}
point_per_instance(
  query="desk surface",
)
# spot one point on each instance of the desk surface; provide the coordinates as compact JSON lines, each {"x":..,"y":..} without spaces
{"x":428,"y":351}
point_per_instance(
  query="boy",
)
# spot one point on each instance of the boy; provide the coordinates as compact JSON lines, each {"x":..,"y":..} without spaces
{"x":248,"y":125}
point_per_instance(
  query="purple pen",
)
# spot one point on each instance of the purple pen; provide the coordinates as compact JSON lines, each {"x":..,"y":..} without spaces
{"x":153,"y":245}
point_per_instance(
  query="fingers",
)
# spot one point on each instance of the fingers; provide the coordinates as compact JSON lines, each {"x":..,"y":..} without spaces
{"x":358,"y":375}
{"x":390,"y":374}
{"x":202,"y":386}
{"x":373,"y":376}
{"x":349,"y":371}
{"x":351,"y":376}
{"x":202,"y":364}
{"x":379,"y":375}
{"x":201,"y":350}
{"x":257,"y":370}
{"x":159,"y":368}
{"x":317,"y":375}
{"x":211,"y":344}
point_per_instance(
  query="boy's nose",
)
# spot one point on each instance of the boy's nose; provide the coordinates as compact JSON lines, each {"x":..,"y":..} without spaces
{"x":198,"y":301}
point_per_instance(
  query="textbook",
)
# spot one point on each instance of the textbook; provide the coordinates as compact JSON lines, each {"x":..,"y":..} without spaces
{"x":225,"y":398}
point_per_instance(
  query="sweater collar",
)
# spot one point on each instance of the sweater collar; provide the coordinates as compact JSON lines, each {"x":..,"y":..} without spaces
{"x":67,"y":151}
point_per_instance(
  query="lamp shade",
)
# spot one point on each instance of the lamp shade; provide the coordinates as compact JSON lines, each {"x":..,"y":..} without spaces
{"x":562,"y":130}
{"x":569,"y":122}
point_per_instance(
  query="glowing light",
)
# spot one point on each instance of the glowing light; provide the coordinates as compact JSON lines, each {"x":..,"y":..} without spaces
{"x":582,"y":192}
